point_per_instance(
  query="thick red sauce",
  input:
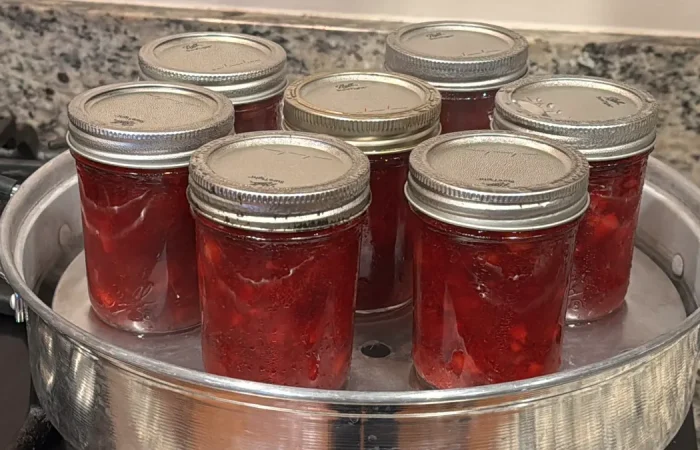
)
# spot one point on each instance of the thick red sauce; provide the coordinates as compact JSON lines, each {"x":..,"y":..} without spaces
{"x":139,"y":247}
{"x":263,"y":115}
{"x":605,"y":240}
{"x":489,"y":306}
{"x":278,"y":307}
{"x":464,"y":111}
{"x":385,"y":266}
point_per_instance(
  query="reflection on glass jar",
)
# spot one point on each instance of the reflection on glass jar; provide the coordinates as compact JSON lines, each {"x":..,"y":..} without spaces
{"x":249,"y":70}
{"x":132,"y":150}
{"x":385,"y":116}
{"x":467,"y":62}
{"x":278,"y":222}
{"x":495,"y":217}
{"x":614,"y":126}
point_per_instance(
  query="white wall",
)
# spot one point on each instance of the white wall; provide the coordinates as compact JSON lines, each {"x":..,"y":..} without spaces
{"x":664,"y":17}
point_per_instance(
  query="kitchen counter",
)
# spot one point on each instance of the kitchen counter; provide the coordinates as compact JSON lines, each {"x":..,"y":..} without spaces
{"x":51,"y":51}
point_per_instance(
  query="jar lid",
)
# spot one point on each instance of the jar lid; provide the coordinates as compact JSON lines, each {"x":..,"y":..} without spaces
{"x":279,"y":181}
{"x":375,"y":111}
{"x":603,"y":119}
{"x":458,"y":56}
{"x":244,"y":68}
{"x":146,"y":125}
{"x":498,"y":181}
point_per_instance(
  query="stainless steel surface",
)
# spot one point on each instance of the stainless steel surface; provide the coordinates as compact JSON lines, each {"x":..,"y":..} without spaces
{"x":375,"y":111}
{"x":19,"y":307}
{"x":279,"y":181}
{"x":458,"y":56}
{"x":654,"y":307}
{"x":495,"y":180}
{"x":101,"y":396}
{"x":602,"y":118}
{"x":146,"y":124}
{"x":245,"y":68}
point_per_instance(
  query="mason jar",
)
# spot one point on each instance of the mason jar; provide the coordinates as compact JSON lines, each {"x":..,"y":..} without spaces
{"x":278,"y":220}
{"x":249,"y":70}
{"x":385,"y":116}
{"x":132,"y":144}
{"x":467,"y":62}
{"x":614,"y":126}
{"x":495,"y":219}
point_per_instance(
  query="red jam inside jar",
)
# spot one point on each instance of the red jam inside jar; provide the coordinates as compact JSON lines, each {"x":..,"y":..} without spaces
{"x":605,"y":241}
{"x":139,"y":245}
{"x":384,"y":115}
{"x":278,"y":308}
{"x":464,"y":111}
{"x":488,"y":305}
{"x":259,"y":116}
{"x":132,"y":150}
{"x":279,"y":219}
{"x":385,"y":265}
{"x":493,"y":228}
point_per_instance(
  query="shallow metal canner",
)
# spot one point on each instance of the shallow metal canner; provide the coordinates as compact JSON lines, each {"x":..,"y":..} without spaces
{"x":626,"y":382}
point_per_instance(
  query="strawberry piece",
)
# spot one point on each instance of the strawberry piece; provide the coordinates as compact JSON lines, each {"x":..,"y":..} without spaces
{"x":605,"y":226}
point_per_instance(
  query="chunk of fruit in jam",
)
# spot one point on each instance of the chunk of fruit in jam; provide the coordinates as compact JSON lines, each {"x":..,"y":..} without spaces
{"x":605,"y":240}
{"x":139,"y":247}
{"x":489,"y":305}
{"x":278,"y":307}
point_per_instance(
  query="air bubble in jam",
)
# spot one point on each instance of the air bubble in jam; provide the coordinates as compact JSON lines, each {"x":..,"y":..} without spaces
{"x":139,"y":247}
{"x":605,"y":240}
{"x":489,"y":306}
{"x":463,"y":111}
{"x":278,"y":307}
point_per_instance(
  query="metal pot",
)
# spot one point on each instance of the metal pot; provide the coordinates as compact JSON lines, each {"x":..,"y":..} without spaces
{"x":107,"y":391}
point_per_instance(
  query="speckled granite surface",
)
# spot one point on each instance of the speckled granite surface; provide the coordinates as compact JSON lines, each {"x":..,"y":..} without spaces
{"x":49,"y":52}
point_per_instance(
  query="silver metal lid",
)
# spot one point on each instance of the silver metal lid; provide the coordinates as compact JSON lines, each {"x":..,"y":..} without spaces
{"x":603,"y":119}
{"x":458,"y":56}
{"x":279,"y":181}
{"x":375,"y":111}
{"x":146,"y":125}
{"x":494,"y":180}
{"x":244,"y":68}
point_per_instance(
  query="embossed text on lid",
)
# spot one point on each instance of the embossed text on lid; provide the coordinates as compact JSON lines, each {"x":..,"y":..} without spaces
{"x":279,"y":181}
{"x":602,"y":118}
{"x":494,"y":180}
{"x":373,"y":110}
{"x":244,"y":68}
{"x":146,"y":124}
{"x":458,"y":56}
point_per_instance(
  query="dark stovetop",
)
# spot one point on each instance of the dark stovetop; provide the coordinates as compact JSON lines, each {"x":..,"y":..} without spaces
{"x":23,"y":425}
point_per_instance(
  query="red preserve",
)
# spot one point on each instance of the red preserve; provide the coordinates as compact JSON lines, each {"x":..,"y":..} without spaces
{"x":384,"y":115}
{"x":278,"y":220}
{"x":467,"y":62}
{"x":495,"y":219}
{"x":249,"y":70}
{"x":614,"y":126}
{"x":132,"y":143}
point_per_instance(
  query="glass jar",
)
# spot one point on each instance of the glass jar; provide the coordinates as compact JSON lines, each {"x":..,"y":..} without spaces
{"x":467,"y":62}
{"x":249,"y":70}
{"x":278,"y":221}
{"x":614,"y":126}
{"x":495,"y":220}
{"x":132,"y":149}
{"x":385,"y":116}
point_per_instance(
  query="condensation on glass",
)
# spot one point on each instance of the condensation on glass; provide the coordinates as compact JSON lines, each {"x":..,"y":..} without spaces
{"x":467,"y":62}
{"x":495,"y":219}
{"x":278,"y":221}
{"x":385,"y":115}
{"x":132,"y":143}
{"x":614,"y":126}
{"x":249,"y":70}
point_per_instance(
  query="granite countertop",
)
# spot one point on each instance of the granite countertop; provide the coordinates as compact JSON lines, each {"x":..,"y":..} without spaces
{"x":53,"y":50}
